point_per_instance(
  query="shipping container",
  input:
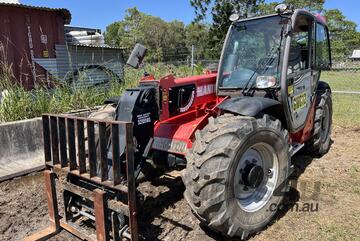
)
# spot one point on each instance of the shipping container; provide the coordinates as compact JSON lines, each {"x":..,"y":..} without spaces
{"x":28,"y":33}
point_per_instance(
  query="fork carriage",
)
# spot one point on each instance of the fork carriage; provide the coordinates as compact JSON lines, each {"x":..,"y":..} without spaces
{"x":90,"y":193}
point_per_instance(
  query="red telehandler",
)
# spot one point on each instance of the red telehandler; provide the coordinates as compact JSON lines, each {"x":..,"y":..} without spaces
{"x":233,"y":132}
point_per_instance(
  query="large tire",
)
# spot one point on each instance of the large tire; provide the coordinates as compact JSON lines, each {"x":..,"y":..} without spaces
{"x":213,"y":164}
{"x":320,"y":142}
{"x":105,"y":113}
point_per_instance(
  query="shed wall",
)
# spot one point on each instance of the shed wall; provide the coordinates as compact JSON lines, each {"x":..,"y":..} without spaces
{"x":27,"y":34}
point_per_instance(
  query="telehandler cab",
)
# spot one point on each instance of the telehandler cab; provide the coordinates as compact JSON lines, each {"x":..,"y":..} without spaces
{"x":234,"y":133}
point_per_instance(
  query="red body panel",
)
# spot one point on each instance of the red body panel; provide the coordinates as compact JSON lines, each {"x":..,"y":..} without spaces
{"x":305,"y":134}
{"x":175,"y":134}
{"x":204,"y":94}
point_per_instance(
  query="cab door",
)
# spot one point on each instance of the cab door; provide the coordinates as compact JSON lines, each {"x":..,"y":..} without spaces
{"x":300,"y":77}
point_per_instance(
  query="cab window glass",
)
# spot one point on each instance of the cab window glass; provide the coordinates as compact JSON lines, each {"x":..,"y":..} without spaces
{"x":322,"y":58}
{"x":299,"y":56}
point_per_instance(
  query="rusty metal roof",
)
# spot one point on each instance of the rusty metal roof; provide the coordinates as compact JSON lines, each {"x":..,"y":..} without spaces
{"x":63,"y":11}
{"x":97,"y":46}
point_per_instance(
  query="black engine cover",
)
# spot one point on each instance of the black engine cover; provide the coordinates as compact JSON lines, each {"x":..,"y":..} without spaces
{"x":140,"y":106}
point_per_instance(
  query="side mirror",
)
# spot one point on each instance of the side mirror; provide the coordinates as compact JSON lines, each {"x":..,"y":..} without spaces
{"x":137,"y":56}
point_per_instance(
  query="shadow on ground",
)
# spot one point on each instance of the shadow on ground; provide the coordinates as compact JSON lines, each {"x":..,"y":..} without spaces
{"x":153,"y":206}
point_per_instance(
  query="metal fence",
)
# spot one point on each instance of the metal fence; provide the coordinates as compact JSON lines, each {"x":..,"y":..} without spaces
{"x":82,"y":65}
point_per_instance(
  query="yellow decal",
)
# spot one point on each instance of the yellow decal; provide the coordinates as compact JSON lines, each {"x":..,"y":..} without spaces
{"x":46,"y":54}
{"x":299,"y":101}
{"x":290,"y":89}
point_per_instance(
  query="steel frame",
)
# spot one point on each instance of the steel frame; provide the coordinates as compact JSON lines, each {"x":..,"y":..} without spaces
{"x":65,"y":153}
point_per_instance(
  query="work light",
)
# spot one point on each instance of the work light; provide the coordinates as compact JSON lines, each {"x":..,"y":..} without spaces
{"x":281,"y":8}
{"x":263,"y":82}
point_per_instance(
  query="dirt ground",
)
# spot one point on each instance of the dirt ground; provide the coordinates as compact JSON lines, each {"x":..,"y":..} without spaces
{"x":336,"y":177}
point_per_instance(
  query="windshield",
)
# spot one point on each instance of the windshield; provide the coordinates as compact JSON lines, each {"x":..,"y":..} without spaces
{"x":251,"y":50}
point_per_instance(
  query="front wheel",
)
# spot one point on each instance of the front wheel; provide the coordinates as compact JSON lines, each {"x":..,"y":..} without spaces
{"x":235,"y":167}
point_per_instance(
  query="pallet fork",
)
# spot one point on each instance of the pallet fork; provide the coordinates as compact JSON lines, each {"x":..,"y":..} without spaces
{"x":107,"y":197}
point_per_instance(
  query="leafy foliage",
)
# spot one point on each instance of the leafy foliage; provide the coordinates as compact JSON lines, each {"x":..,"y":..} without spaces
{"x":166,"y":41}
{"x":198,"y":35}
{"x":172,"y":41}
{"x":139,"y":27}
{"x":312,"y":6}
{"x":344,"y":36}
{"x":221,"y":11}
{"x":19,"y":103}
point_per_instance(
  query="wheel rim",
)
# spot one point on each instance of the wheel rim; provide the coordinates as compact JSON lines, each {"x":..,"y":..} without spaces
{"x":325,"y":124}
{"x":256,"y":177}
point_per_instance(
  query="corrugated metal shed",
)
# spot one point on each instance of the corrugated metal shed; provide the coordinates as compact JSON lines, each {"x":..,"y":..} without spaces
{"x":99,"y":63}
{"x":30,"y":32}
{"x":61,"y":11}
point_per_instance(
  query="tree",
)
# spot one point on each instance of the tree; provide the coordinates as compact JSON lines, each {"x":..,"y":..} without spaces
{"x":267,"y":8}
{"x":310,"y":5}
{"x":160,"y":37}
{"x":175,"y":42}
{"x":344,"y":35}
{"x":221,"y":11}
{"x":112,"y":34}
{"x":197,"y":34}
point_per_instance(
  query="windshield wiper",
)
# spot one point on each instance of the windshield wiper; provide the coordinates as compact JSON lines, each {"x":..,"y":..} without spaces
{"x":269,"y":61}
{"x":230,"y":88}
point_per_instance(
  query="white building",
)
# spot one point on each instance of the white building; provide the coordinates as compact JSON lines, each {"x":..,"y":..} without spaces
{"x":10,"y":1}
{"x":355,"y":55}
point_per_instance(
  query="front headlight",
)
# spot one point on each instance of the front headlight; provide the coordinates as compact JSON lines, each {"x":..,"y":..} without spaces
{"x":263,"y":82}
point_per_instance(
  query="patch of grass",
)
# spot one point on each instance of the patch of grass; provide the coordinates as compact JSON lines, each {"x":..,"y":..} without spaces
{"x":355,"y":190}
{"x":344,"y":228}
{"x":346,"y":111}
{"x":21,"y":104}
{"x":333,"y":231}
{"x":354,"y":172}
{"x":6,"y":73}
{"x":342,"y":80}
{"x":354,"y":169}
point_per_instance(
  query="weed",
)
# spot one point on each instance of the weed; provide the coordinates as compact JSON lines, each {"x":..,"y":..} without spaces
{"x":22,"y":104}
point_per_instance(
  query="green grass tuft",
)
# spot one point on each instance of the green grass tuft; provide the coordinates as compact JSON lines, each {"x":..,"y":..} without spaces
{"x":21,"y":104}
{"x":342,"y":80}
{"x":346,"y":111}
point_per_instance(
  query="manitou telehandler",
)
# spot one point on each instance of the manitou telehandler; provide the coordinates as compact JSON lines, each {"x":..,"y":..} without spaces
{"x":234,"y":131}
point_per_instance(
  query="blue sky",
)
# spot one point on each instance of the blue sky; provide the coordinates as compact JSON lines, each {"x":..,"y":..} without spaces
{"x":99,"y":14}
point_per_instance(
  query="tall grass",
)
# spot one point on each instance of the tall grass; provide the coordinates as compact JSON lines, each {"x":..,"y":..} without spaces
{"x":21,"y":104}
{"x":6,"y":74}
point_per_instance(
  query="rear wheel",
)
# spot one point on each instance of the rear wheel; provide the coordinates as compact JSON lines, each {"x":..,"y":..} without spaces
{"x":235,"y":166}
{"x":320,"y":143}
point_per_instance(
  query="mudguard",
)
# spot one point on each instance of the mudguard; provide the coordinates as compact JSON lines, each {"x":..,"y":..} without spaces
{"x":323,"y":86}
{"x":248,"y":106}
